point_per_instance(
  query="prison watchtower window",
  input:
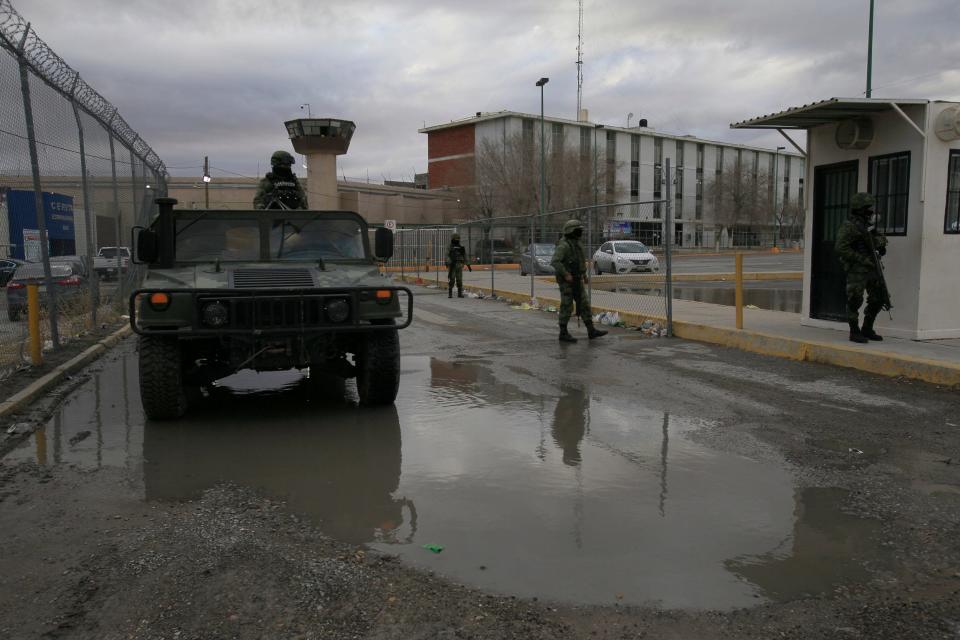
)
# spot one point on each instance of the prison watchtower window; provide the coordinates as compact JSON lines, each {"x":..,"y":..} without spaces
{"x":951,"y":223}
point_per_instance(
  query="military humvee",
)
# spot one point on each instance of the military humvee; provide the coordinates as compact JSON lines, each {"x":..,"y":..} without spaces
{"x":263,"y":290}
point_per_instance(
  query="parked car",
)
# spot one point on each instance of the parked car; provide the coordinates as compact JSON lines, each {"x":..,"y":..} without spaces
{"x":624,"y":256}
{"x":82,"y":263}
{"x":68,"y":278}
{"x":501,"y":251}
{"x":105,"y":263}
{"x":539,"y":262}
{"x":7,"y":268}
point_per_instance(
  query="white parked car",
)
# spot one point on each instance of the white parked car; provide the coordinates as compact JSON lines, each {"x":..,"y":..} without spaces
{"x":624,"y":256}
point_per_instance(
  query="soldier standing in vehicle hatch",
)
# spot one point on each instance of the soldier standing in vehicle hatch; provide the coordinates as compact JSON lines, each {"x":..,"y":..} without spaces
{"x":456,"y":260}
{"x":280,"y":188}
{"x":570,"y":267}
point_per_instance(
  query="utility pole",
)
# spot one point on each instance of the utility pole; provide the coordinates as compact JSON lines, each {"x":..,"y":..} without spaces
{"x":543,"y":156}
{"x":870,"y":53}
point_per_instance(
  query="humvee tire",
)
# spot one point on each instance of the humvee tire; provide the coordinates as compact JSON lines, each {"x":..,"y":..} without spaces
{"x":162,"y":391}
{"x":378,"y":367}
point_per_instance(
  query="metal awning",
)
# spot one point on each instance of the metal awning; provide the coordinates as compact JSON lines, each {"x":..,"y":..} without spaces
{"x":824,"y":112}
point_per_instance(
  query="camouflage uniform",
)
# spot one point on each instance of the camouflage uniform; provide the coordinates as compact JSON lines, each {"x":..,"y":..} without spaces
{"x":855,"y":255}
{"x":570,"y":267}
{"x":456,"y":260}
{"x":280,"y":188}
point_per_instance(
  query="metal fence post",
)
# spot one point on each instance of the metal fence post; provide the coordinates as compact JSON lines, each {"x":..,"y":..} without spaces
{"x":492,"y":269}
{"x":38,"y":197}
{"x":116,"y":200}
{"x":533,"y":260}
{"x":668,"y":253}
{"x":88,"y":212}
{"x":33,"y":325}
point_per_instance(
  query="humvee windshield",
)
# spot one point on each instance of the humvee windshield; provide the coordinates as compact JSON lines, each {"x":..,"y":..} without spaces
{"x":295,"y":239}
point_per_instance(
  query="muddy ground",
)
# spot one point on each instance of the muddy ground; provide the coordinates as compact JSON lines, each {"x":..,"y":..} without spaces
{"x":874,"y":468}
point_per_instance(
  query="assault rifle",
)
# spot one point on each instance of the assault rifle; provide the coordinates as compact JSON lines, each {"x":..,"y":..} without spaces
{"x":878,"y":265}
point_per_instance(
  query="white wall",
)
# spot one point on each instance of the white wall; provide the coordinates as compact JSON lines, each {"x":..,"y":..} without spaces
{"x":939,"y":292}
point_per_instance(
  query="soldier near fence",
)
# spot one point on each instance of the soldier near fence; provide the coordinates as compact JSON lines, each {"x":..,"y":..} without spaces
{"x":456,"y":261}
{"x":860,"y":248}
{"x":280,"y":189}
{"x":570,"y":267}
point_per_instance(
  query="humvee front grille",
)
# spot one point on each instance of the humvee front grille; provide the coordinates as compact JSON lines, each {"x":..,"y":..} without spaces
{"x":270,"y":278}
{"x":278,"y":312}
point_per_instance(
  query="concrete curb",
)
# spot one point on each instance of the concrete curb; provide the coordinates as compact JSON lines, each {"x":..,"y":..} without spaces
{"x":25,"y":396}
{"x":884,"y":363}
{"x":701,"y":277}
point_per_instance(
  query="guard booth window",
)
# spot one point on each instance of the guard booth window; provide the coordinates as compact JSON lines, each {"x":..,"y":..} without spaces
{"x":951,"y":223}
{"x":889,"y":181}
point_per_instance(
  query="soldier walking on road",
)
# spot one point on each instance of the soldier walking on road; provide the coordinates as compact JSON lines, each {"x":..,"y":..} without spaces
{"x":456,"y":261}
{"x":859,"y":248}
{"x":570,"y":267}
{"x":280,"y":188}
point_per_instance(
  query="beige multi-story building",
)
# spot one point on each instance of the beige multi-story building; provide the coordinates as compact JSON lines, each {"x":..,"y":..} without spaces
{"x":632,"y":162}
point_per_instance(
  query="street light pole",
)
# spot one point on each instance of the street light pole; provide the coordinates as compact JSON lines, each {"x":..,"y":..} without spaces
{"x":776,"y":189}
{"x":870,"y":54}
{"x":543,"y":155}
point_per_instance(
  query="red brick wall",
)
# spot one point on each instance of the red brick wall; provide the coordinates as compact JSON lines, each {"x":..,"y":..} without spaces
{"x":450,"y":142}
{"x":455,"y":172}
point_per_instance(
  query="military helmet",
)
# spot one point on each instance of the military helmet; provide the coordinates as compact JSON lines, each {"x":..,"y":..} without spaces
{"x":571,"y":225}
{"x":281,"y":157}
{"x":861,"y":200}
{"x":456,"y":237}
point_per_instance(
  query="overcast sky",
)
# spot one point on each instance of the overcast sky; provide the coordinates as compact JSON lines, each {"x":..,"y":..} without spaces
{"x":219,"y":77}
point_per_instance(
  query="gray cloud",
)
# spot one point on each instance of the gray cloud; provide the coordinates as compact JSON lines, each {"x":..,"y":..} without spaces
{"x":218,"y":77}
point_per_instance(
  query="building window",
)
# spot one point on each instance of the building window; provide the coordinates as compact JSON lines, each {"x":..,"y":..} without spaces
{"x":889,"y":182}
{"x":657,"y":175}
{"x":800,"y":192}
{"x":527,"y":144}
{"x":556,"y":135}
{"x":611,"y":164}
{"x":951,"y":223}
{"x":584,"y":143}
{"x":698,"y":212}
{"x":717,"y":178}
{"x":679,"y":182}
{"x":634,"y":167}
{"x":771,"y":176}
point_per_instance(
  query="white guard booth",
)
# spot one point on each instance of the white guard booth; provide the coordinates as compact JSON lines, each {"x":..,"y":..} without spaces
{"x":907,"y":154}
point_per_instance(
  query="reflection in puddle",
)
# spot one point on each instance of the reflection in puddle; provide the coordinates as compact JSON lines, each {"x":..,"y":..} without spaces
{"x":827,"y":548}
{"x":576,"y":493}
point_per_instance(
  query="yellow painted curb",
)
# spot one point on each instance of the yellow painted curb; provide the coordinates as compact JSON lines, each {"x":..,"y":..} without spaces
{"x":25,"y":396}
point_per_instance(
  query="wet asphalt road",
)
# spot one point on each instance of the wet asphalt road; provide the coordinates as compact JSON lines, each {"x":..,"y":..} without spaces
{"x":625,"y":470}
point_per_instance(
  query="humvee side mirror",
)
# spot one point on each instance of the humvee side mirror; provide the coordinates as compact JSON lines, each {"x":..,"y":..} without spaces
{"x":148,"y":246}
{"x":383,"y":244}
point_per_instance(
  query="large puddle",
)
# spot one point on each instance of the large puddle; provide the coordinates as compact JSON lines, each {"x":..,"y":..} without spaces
{"x":775,"y":296}
{"x":573,"y":494}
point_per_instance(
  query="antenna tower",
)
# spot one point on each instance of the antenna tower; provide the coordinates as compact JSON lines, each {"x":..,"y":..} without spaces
{"x":580,"y":59}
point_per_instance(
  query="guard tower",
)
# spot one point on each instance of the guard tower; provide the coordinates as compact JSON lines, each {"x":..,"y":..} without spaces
{"x":321,"y":140}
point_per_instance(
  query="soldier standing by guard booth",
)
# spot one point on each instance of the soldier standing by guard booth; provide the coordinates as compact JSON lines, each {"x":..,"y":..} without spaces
{"x":860,"y":248}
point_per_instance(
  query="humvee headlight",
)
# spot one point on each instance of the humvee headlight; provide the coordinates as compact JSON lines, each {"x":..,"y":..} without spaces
{"x":338,"y":310}
{"x":159,"y":301}
{"x":214,"y":314}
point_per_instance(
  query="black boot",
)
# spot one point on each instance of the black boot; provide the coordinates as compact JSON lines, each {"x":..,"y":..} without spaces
{"x":459,"y":292}
{"x":868,"y":332}
{"x":855,"y":335}
{"x":593,"y":332}
{"x":565,"y":335}
{"x":450,"y":291}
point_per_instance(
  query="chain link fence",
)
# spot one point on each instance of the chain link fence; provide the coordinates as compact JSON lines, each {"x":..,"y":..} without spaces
{"x":74,"y":179}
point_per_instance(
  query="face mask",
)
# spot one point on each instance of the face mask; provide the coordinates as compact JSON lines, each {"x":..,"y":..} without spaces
{"x":577,"y":233}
